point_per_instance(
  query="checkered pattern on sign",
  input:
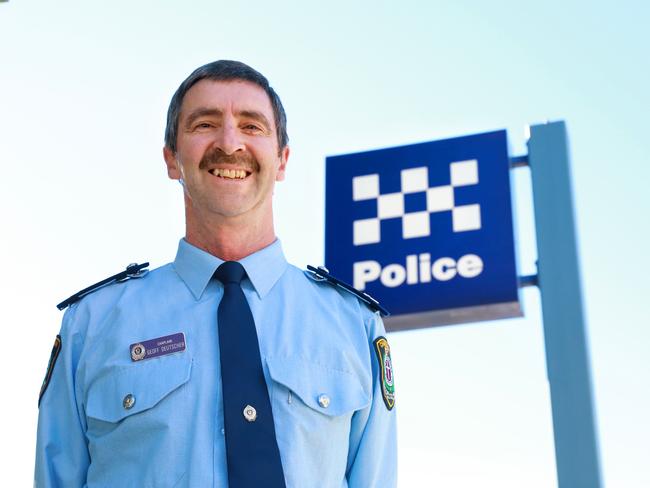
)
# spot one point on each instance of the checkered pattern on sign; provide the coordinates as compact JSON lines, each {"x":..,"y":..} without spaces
{"x":416,"y":224}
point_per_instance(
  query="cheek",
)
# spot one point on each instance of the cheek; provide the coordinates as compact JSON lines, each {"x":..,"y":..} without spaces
{"x":192,"y":148}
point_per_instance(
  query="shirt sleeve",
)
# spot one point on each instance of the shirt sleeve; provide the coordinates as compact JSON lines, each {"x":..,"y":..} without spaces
{"x":61,"y":450}
{"x":372,"y":458}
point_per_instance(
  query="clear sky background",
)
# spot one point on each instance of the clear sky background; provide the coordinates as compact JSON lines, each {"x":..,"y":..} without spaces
{"x":84,"y":88}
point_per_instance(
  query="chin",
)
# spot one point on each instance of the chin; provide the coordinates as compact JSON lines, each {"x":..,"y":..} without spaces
{"x":229,"y":211}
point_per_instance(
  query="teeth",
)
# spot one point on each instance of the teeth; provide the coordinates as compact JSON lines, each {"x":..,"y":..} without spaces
{"x":229,"y":173}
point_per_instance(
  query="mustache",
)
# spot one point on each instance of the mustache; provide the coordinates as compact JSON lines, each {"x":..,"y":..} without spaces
{"x":243,"y":160}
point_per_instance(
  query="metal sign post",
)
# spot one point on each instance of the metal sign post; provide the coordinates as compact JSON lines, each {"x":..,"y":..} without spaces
{"x":567,"y":358}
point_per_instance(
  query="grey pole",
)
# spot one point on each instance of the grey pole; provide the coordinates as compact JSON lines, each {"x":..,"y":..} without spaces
{"x":567,"y":356}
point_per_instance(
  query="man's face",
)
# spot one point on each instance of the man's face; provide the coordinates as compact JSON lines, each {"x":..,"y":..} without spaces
{"x":227,"y":150}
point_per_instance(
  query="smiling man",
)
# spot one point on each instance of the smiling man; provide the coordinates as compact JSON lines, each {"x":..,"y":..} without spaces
{"x":228,"y":367}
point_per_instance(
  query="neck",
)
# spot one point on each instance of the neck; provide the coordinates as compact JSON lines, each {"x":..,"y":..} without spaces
{"x":230,"y":239}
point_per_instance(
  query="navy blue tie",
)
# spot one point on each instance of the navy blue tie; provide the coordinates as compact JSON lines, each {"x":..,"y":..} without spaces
{"x":251,"y":447}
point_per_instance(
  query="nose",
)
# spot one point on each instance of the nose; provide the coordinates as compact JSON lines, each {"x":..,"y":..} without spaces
{"x":229,"y":139}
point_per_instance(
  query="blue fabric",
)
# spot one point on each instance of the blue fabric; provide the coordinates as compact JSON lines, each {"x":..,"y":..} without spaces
{"x":251,"y":448}
{"x":314,"y":339}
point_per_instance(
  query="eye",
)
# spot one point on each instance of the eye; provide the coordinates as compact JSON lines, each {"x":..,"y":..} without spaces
{"x":203,"y":125}
{"x":252,"y":128}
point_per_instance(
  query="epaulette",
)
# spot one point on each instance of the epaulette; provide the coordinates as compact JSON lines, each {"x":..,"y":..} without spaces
{"x":133,"y":270}
{"x":321,"y":273}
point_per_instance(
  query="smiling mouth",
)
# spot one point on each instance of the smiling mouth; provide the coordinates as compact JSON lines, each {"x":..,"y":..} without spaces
{"x":231,"y":174}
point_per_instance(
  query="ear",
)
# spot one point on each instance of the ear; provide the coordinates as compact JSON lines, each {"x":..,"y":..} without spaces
{"x":173,"y":168}
{"x":284,"y":158}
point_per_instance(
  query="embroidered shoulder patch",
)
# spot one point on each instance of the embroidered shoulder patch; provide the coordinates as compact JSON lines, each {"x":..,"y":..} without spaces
{"x":54,"y":355}
{"x":386,"y":370}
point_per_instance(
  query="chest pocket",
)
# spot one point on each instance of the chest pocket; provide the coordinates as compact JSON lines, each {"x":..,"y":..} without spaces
{"x":136,"y":388}
{"x":137,"y":421}
{"x":324,"y":390}
{"x":313,"y":406}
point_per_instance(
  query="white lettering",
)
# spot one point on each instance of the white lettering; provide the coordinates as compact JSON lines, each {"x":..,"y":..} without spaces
{"x":365,"y":271}
{"x":393,"y":275}
{"x":418,"y":269}
{"x":469,"y":266}
{"x":425,"y":267}
{"x":444,"y":269}
{"x":411,"y":269}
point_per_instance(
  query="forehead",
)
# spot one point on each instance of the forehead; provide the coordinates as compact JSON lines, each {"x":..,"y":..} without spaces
{"x":227,"y":96}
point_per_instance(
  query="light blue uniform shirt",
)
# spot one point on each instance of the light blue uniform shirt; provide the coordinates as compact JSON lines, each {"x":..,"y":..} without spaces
{"x":315,"y":339}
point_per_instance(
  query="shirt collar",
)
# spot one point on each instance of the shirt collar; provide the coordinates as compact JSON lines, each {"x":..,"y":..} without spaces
{"x":196,"y":267}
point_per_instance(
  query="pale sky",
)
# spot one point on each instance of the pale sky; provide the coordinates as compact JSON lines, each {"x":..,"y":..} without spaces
{"x":84,"y":87}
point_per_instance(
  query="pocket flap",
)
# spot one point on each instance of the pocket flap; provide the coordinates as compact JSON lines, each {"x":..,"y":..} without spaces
{"x":328,"y":391}
{"x":147,"y":383}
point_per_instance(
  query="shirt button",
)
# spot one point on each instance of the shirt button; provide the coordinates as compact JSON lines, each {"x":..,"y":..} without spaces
{"x":128,"y":402}
{"x":223,"y":431}
{"x":324,"y":401}
{"x":250,"y":413}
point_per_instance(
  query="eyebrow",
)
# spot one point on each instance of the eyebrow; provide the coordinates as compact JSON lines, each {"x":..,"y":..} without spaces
{"x":202,"y":112}
{"x":215,"y":112}
{"x":255,"y":115}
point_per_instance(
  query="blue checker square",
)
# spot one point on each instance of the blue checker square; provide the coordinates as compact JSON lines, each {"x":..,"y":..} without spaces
{"x":415,"y":202}
{"x":426,"y":229}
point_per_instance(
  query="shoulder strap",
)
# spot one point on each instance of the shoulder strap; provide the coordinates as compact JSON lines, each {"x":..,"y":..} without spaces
{"x":321,"y":273}
{"x":133,"y":270}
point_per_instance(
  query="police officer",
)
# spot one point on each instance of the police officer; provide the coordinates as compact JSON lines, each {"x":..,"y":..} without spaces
{"x":228,"y":366}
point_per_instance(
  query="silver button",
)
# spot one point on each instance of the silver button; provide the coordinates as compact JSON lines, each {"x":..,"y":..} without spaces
{"x":324,"y":401}
{"x":128,"y":402}
{"x":250,"y":413}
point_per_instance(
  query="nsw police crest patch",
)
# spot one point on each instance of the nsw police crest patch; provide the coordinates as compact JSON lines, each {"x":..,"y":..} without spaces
{"x":54,"y":355}
{"x":386,"y":371}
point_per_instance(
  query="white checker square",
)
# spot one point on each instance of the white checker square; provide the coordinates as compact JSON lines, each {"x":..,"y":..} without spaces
{"x":366,"y":231}
{"x":415,"y":179}
{"x":365,"y":187}
{"x":390,"y":205}
{"x":415,"y":224}
{"x":464,"y":173}
{"x":466,"y":217}
{"x":440,"y":198}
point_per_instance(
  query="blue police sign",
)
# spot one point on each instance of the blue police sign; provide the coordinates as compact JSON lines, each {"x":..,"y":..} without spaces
{"x":426,"y":229}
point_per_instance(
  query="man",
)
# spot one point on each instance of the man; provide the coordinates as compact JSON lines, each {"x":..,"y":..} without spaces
{"x":227,"y":367}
